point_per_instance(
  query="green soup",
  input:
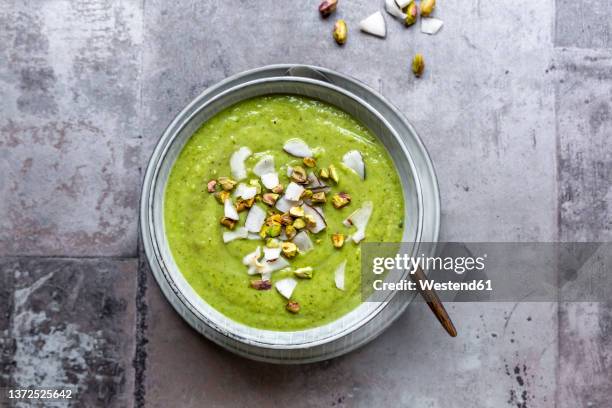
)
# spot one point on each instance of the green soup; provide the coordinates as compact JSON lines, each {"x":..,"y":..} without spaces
{"x":215,"y":269}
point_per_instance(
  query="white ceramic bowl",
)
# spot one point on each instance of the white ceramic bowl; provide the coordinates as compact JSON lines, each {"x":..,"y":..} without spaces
{"x":422,"y":209}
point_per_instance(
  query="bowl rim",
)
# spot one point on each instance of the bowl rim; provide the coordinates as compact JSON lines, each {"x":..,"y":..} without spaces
{"x":184,"y":117}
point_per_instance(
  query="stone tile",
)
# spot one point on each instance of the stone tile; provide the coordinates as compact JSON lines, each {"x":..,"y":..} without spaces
{"x":584,"y":124}
{"x":69,"y":127}
{"x":583,"y":24}
{"x":504,"y":353}
{"x":70,"y":323}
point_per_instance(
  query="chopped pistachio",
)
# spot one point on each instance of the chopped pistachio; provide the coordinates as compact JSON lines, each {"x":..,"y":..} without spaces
{"x":319,"y":197}
{"x":298,"y":174}
{"x":290,"y":231}
{"x":255,"y":183}
{"x":309,"y":162}
{"x":299,"y":223}
{"x":211,"y":186}
{"x":221,"y":196}
{"x":324,"y":174}
{"x":261,"y":284}
{"x":333,"y":173}
{"x":286,"y":219}
{"x":273,"y":219}
{"x":241,"y":205}
{"x":274,"y":230}
{"x":226,"y":183}
{"x":289,"y":249}
{"x":337,"y":240}
{"x":306,"y":194}
{"x":263,"y":232}
{"x":228,"y":222}
{"x":341,"y":199}
{"x":272,"y":243}
{"x":297,"y":211}
{"x":278,"y":189}
{"x":293,"y":306}
{"x":270,"y":198}
{"x":303,"y":273}
{"x":311,"y":221}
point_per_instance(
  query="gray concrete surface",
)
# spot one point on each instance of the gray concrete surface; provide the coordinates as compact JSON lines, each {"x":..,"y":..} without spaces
{"x":514,"y":108}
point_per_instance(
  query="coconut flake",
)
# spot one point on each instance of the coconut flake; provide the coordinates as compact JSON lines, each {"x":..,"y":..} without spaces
{"x":303,"y":242}
{"x":253,"y":237}
{"x":317,"y":213}
{"x":255,"y":219}
{"x":239,"y":233}
{"x":230,"y":210}
{"x":374,"y":24}
{"x":285,"y":205}
{"x":245,"y":192}
{"x":314,"y":182}
{"x":277,"y":264}
{"x":294,"y":192}
{"x":252,"y":258}
{"x":360,"y":219}
{"x":431,"y":25}
{"x":297,"y":147}
{"x":286,"y":286}
{"x":264,"y":166}
{"x":403,"y":3}
{"x":354,"y":161}
{"x":270,"y":180}
{"x":271,"y":254}
{"x":237,"y":162}
{"x":393,"y":9}
{"x":339,"y":275}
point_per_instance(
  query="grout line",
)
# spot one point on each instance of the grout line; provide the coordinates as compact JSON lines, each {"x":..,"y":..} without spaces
{"x":140,"y":351}
{"x":69,"y":257}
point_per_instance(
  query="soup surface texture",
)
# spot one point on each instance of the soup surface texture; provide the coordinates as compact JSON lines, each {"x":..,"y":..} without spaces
{"x":216,"y":270}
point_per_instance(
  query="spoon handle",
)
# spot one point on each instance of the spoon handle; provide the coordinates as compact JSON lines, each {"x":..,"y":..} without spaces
{"x":434,"y":303}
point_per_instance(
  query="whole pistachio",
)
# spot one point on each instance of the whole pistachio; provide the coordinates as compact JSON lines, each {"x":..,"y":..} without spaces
{"x":418,"y":65}
{"x":340,"y":32}
{"x":327,"y":7}
{"x":411,"y":13}
{"x":427,"y":7}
